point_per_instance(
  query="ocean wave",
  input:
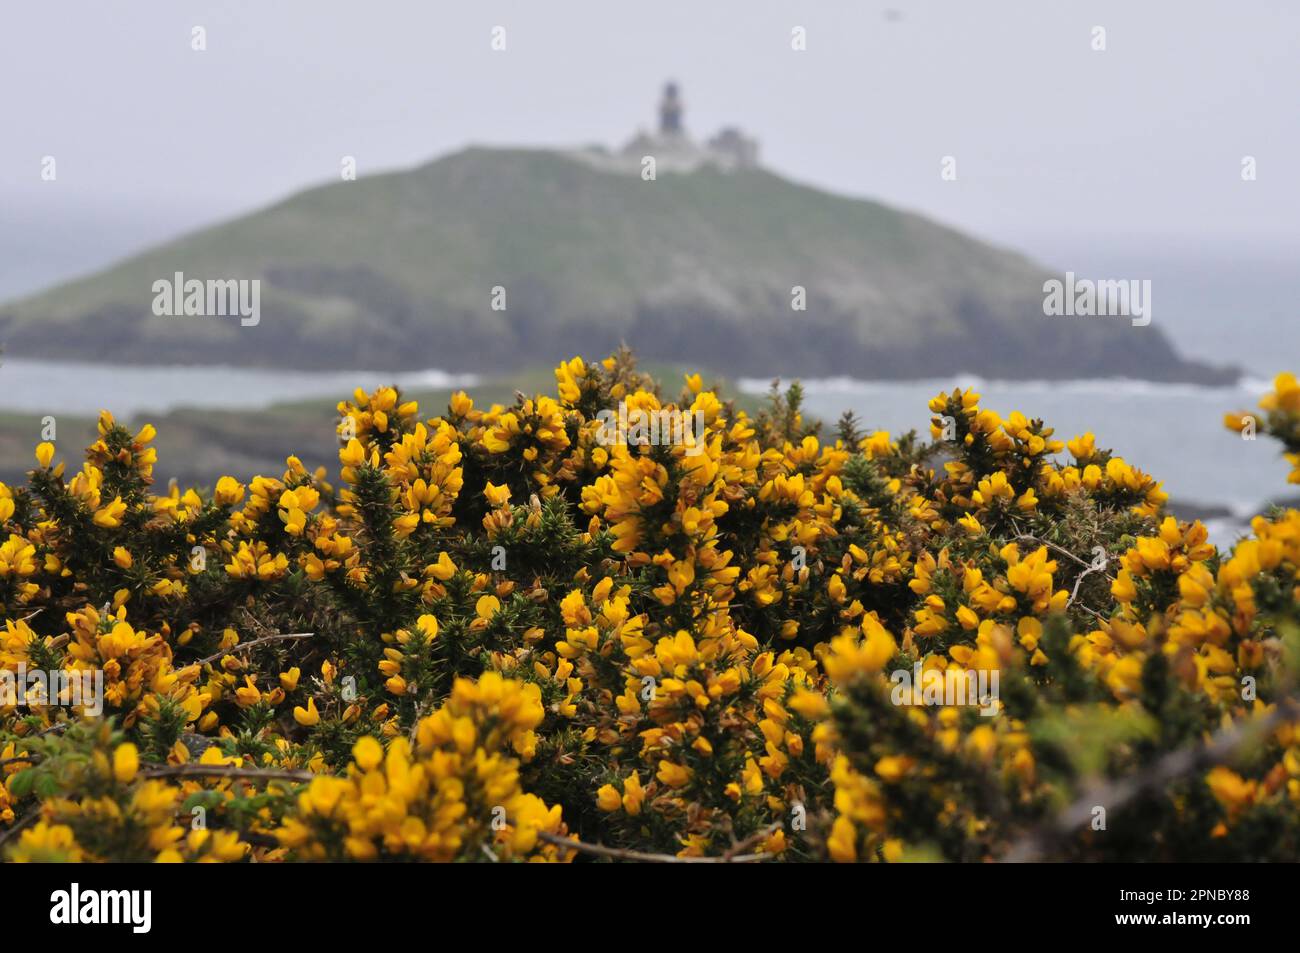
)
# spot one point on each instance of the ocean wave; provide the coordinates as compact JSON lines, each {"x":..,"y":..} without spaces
{"x":73,"y":387}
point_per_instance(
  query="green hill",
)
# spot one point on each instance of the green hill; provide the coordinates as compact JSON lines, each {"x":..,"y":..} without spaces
{"x":397,"y":271}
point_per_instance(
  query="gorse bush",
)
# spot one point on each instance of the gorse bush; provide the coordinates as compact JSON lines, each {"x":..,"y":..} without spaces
{"x":498,"y":636}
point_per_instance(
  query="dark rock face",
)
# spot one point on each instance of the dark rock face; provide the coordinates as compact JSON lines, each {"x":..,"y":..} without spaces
{"x":395,"y":331}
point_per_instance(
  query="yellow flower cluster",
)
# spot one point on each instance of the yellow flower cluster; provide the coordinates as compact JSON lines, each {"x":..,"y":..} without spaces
{"x":510,"y":635}
{"x":1281,"y":408}
{"x":456,"y":793}
{"x":136,"y":817}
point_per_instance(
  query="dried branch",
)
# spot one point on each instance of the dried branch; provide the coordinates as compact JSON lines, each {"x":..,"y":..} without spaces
{"x":227,"y":771}
{"x":23,"y":822}
{"x":618,"y":853}
{"x":248,"y":645}
{"x":753,"y":840}
{"x":1079,"y":581}
{"x":415,"y":721}
{"x":1088,"y":567}
{"x":1028,"y":537}
{"x":1221,"y":748}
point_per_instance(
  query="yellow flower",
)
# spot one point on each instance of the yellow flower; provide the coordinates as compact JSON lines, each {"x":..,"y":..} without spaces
{"x":1083,"y":448}
{"x":1230,"y":789}
{"x":307,"y":716}
{"x":811,"y":705}
{"x":608,"y":799}
{"x":633,"y":795}
{"x":353,"y":455}
{"x":842,"y":842}
{"x":850,"y":656}
{"x":487,"y":607}
{"x":44,"y":454}
{"x":229,"y":491}
{"x":248,"y":694}
{"x":367,"y":753}
{"x":47,"y":842}
{"x":110,"y":515}
{"x":443,"y":569}
{"x":497,"y":495}
{"x":673,"y":775}
{"x":122,"y":557}
{"x":836,"y":588}
{"x":894,"y":768}
{"x":877,"y":445}
{"x":126,"y":762}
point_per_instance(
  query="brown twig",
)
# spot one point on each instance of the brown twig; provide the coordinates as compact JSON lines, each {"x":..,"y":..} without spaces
{"x":1088,"y":567}
{"x":227,"y":771}
{"x":20,"y":824}
{"x":618,"y":853}
{"x":1079,"y":581}
{"x":415,"y":722}
{"x":753,"y":840}
{"x":1063,"y":551}
{"x":248,"y":645}
{"x":1092,"y":612}
{"x":1176,"y":764}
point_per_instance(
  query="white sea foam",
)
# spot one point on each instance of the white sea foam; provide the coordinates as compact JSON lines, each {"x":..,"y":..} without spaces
{"x":1174,"y":431}
{"x":82,"y":389}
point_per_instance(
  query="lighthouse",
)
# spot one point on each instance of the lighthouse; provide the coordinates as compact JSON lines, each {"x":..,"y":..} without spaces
{"x":670,"y":112}
{"x":730,"y":150}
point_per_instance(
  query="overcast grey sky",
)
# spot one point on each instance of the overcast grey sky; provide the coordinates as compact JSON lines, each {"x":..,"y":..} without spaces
{"x":1055,"y":143}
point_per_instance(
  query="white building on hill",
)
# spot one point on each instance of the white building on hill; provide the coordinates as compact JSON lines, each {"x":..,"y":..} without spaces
{"x":672,"y":148}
